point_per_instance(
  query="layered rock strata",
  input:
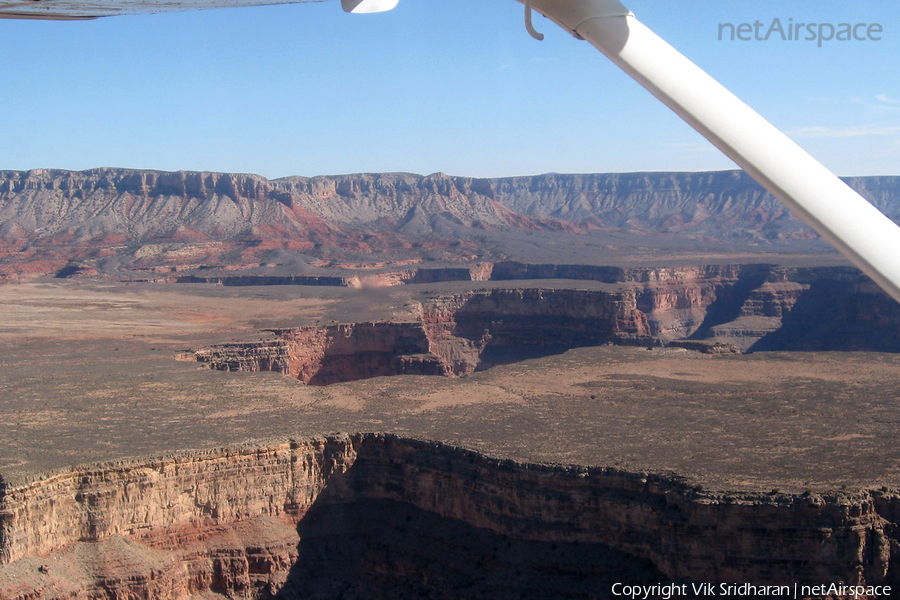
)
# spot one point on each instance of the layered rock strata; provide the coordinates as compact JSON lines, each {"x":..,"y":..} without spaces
{"x":329,"y":354}
{"x":99,"y":201}
{"x":453,"y":337}
{"x":125,"y":223}
{"x":268,"y":355}
{"x":179,"y":525}
{"x":750,"y":306}
{"x":719,"y":309}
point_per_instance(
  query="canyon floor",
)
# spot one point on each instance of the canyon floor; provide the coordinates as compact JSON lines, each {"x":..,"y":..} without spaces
{"x":89,"y":375}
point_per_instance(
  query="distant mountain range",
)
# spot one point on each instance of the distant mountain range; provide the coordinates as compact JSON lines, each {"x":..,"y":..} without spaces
{"x":158,"y":219}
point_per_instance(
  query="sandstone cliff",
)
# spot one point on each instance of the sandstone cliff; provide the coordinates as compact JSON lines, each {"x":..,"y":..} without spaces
{"x":227,"y":521}
{"x":712,"y":308}
{"x":455,"y":335}
{"x":751,"y":306}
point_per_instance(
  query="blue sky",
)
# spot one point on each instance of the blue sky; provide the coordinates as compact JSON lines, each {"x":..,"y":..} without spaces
{"x":456,"y":86}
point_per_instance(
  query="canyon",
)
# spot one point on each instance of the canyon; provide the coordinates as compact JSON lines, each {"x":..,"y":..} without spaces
{"x":253,"y":522}
{"x":451,"y":338}
{"x":551,"y":476}
{"x":713,"y":308}
{"x":546,"y":385}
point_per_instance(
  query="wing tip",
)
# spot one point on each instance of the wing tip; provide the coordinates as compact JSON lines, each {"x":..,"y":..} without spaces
{"x":33,"y":16}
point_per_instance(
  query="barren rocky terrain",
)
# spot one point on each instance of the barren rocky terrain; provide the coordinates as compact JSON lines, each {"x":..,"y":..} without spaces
{"x":436,"y":387}
{"x":91,"y":390}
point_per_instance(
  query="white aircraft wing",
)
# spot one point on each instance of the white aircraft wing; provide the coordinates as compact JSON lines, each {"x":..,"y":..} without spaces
{"x":70,"y":10}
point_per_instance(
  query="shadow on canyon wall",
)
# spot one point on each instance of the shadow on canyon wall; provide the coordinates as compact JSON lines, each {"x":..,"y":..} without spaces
{"x":368,"y":536}
{"x":495,"y":356}
{"x":834,"y":315}
{"x":730,"y":300}
{"x":381,"y":549}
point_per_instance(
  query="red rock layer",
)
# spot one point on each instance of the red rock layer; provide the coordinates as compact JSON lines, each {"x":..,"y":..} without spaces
{"x":450,"y":339}
{"x":227,"y":522}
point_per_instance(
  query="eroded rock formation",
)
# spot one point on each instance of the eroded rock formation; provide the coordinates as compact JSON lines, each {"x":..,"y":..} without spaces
{"x":228,"y":521}
{"x":717,"y":309}
{"x":455,"y":334}
{"x":708,"y":203}
{"x":751,"y":306}
{"x":127,"y":223}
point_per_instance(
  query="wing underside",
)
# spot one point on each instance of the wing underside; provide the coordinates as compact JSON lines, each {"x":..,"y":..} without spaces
{"x":68,"y":10}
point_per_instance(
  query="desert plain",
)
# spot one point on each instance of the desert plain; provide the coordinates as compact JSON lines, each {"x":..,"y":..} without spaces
{"x":89,"y":375}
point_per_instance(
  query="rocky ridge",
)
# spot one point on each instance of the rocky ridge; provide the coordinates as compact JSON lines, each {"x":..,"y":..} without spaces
{"x":227,"y":521}
{"x":122,"y":222}
{"x":658,"y":202}
{"x":713,"y":204}
{"x":50,"y":218}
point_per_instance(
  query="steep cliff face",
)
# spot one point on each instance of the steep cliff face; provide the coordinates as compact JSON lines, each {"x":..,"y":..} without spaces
{"x":823,"y":309}
{"x":58,"y":205}
{"x":151,"y":218}
{"x":816,"y":308}
{"x":414,"y":204}
{"x":767,"y":307}
{"x":713,"y":308}
{"x":681,"y":531}
{"x":764,"y":307}
{"x":220,"y":521}
{"x":502,"y":320}
{"x":323,"y":355}
{"x":330,"y":354}
{"x":716,"y":202}
{"x":51,"y":512}
{"x":456,"y":335}
{"x":228,"y":522}
{"x":270,"y":355}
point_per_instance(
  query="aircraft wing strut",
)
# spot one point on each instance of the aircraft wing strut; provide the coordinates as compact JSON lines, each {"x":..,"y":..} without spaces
{"x":844,"y":218}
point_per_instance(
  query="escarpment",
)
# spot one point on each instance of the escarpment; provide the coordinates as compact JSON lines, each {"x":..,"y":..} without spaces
{"x":750,"y":306}
{"x":139,"y":224}
{"x":496,"y":322}
{"x":716,"y":203}
{"x":322,"y":355}
{"x":330,"y":354}
{"x":718,"y":309}
{"x":456,"y":334}
{"x":260,"y":520}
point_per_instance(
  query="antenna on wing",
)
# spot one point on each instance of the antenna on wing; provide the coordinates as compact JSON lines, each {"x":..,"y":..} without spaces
{"x":528,"y":26}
